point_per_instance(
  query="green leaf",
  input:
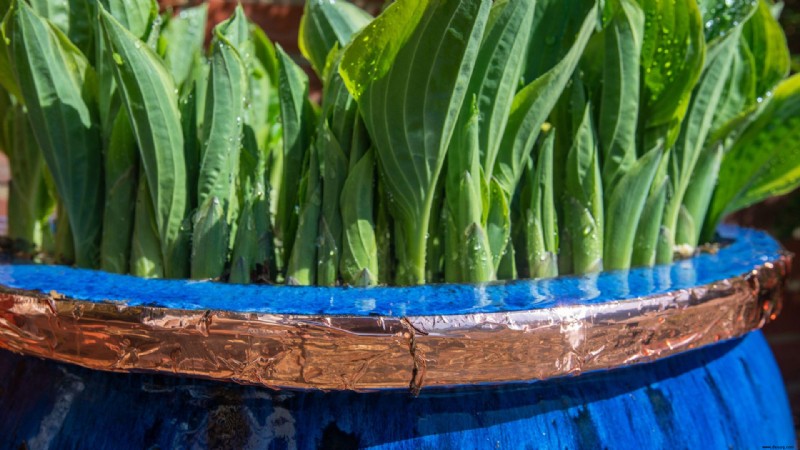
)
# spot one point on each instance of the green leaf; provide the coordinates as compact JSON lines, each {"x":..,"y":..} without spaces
{"x":150,"y":98}
{"x":192,"y":107}
{"x":64,"y":247}
{"x":583,"y":197}
{"x":243,"y":258}
{"x":464,"y":196}
{"x":624,"y":209}
{"x":498,"y":67}
{"x":765,"y":160}
{"x":339,"y":110}
{"x":7,"y":77}
{"x":359,"y":261}
{"x":298,"y":119}
{"x":69,"y":16}
{"x":6,"y":120}
{"x":373,"y":51}
{"x":138,"y":17}
{"x":54,"y":79}
{"x":541,"y":232}
{"x":532,"y":105}
{"x":767,"y":43}
{"x":121,"y":181}
{"x":619,"y":101}
{"x":146,"y":254}
{"x":498,"y":222}
{"x":384,"y":225}
{"x":698,"y":197}
{"x":29,"y":203}
{"x":327,"y":23}
{"x":410,"y":96}
{"x":645,"y":246}
{"x":721,"y":17}
{"x":739,"y":93}
{"x":210,"y":239}
{"x":672,"y":59}
{"x":181,"y":38}
{"x":221,"y":145}
{"x":333,"y":168}
{"x":558,"y":26}
{"x":264,"y":52}
{"x":135,"y":15}
{"x":302,"y":266}
{"x":695,"y":129}
{"x":253,"y":249}
{"x":477,"y":263}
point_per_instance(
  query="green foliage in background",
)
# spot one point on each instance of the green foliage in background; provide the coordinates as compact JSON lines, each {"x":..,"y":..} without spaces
{"x":455,"y":140}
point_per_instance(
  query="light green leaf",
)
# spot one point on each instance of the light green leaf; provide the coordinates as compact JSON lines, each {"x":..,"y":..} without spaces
{"x":181,"y":38}
{"x":372,"y":52}
{"x":7,"y":78}
{"x":721,"y":17}
{"x":541,"y":231}
{"x":136,"y":16}
{"x":498,"y":222}
{"x":694,"y":131}
{"x":765,"y":160}
{"x":672,"y":60}
{"x":739,"y":94}
{"x":648,"y":231}
{"x":767,"y":43}
{"x":583,"y":197}
{"x":624,"y":208}
{"x":410,"y":96}
{"x":264,"y":52}
{"x":698,"y":196}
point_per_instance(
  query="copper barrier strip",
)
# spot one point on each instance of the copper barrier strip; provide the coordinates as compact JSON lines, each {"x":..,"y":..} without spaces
{"x":367,"y":353}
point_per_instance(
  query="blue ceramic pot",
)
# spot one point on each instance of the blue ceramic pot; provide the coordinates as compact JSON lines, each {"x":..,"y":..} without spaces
{"x":658,"y":389}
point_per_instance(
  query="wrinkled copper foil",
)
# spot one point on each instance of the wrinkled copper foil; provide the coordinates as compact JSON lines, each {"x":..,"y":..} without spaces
{"x":370,"y":353}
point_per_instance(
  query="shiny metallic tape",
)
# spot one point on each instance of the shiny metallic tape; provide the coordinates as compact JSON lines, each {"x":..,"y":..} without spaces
{"x":371,"y":353}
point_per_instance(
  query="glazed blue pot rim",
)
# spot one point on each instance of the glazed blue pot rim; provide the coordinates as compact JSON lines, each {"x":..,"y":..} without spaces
{"x":748,"y":249}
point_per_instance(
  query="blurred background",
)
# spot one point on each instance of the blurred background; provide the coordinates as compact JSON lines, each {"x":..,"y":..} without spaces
{"x":779,"y":216}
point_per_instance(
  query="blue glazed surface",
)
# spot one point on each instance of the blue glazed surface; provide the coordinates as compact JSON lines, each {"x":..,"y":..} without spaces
{"x":750,"y":248}
{"x":729,"y":395}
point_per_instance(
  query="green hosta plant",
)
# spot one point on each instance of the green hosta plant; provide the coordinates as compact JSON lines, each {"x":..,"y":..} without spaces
{"x":455,"y":140}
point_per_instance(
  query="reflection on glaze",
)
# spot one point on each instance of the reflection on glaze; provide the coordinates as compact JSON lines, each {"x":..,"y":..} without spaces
{"x":749,"y":249}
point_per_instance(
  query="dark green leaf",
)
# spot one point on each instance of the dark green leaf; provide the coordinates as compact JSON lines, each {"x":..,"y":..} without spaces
{"x":150,"y":98}
{"x":298,"y":118}
{"x":326,"y":23}
{"x":54,"y":78}
{"x":121,"y":181}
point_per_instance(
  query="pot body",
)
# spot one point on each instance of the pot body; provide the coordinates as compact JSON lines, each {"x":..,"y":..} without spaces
{"x":727,"y":395}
